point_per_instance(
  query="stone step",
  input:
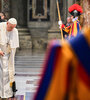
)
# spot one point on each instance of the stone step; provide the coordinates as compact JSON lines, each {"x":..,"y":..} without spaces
{"x":25,"y":64}
{"x":28,"y":62}
{"x":31,"y":58}
{"x":26,"y":56}
{"x":28,"y":66}
{"x":29,"y":69}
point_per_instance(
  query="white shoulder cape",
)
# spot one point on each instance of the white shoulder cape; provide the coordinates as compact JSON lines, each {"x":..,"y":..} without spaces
{"x":14,"y":40}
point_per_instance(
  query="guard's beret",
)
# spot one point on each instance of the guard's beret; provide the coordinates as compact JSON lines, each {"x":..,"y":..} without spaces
{"x":75,"y":8}
{"x":12,"y":21}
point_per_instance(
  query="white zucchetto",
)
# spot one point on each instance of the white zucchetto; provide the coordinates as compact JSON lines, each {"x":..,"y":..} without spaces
{"x":12,"y":21}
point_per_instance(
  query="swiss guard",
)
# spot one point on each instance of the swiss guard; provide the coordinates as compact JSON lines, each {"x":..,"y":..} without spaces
{"x":75,"y":10}
{"x":66,"y":74}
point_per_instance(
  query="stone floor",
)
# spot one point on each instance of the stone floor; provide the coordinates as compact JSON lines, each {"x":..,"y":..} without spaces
{"x":27,"y":85}
{"x":28,"y":66}
{"x":28,"y":73}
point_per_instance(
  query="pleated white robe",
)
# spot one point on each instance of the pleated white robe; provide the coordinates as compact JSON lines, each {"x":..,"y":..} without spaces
{"x":8,"y":45}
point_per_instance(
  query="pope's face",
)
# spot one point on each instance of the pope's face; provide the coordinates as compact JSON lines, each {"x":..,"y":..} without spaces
{"x":10,"y":26}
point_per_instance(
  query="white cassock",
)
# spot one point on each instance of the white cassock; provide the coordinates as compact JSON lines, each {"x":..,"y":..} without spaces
{"x":9,"y":41}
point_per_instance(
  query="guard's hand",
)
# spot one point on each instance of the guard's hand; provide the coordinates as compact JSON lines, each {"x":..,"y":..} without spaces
{"x":59,"y":23}
{"x":1,"y":53}
{"x":62,"y":26}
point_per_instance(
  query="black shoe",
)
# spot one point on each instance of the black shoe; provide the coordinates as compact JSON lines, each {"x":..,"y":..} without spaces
{"x":14,"y":87}
{"x":15,"y":74}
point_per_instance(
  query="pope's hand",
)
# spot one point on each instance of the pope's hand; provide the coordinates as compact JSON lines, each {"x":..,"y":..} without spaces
{"x":1,"y":53}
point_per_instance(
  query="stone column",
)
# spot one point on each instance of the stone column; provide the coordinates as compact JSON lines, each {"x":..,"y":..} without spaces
{"x":14,"y":8}
{"x":70,"y":2}
{"x":53,"y":14}
{"x":65,"y":11}
{"x":19,"y":11}
{"x":54,"y":31}
{"x":22,"y":13}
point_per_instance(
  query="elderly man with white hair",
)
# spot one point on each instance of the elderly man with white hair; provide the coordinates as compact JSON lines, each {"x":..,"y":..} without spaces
{"x":9,"y":41}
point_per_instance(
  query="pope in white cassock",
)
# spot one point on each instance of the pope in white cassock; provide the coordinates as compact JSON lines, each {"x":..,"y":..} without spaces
{"x":9,"y":41}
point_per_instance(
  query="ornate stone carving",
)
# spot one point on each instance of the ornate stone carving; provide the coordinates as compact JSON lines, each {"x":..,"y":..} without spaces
{"x":6,"y":7}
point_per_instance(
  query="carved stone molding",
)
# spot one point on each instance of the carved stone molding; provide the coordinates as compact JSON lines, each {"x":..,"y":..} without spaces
{"x":39,"y":10}
{"x":6,"y":7}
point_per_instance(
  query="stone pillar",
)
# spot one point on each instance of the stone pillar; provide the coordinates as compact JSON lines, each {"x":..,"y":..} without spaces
{"x":19,"y":11}
{"x":70,"y":2}
{"x":14,"y":8}
{"x":65,"y":11}
{"x":53,"y":15}
{"x":22,"y":12}
{"x":54,"y":31}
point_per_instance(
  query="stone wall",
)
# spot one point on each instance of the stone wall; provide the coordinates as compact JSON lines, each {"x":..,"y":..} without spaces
{"x":25,"y":40}
{"x":35,"y":31}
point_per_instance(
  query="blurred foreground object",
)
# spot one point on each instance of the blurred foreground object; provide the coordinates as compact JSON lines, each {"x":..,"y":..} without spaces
{"x":66,"y":74}
{"x":67,"y":70}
